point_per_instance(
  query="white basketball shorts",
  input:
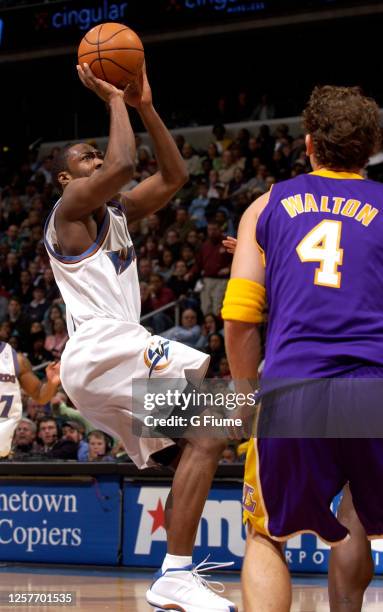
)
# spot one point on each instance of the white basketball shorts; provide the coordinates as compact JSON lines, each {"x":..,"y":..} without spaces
{"x":98,"y":365}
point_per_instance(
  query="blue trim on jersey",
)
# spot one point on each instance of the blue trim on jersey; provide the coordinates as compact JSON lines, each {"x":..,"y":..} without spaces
{"x":16,"y":363}
{"x":2,"y":346}
{"x":94,"y":247}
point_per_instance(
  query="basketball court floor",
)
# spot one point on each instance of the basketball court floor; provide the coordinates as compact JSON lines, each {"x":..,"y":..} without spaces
{"x":120,"y":590}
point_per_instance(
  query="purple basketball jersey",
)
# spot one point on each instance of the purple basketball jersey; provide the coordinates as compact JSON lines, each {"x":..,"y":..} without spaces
{"x":322,"y":235}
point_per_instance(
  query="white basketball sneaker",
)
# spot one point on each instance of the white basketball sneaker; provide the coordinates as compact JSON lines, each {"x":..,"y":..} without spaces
{"x":187,"y":590}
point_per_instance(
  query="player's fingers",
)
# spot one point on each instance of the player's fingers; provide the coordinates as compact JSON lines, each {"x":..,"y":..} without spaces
{"x":92,"y":81}
{"x":84,"y":80}
{"x":80,"y":73}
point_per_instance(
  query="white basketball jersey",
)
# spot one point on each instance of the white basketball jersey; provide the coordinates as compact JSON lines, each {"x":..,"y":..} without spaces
{"x":102,"y":282}
{"x":10,"y":397}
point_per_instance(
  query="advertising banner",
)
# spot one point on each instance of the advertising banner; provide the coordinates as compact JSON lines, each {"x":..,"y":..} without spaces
{"x":60,"y":521}
{"x":220,"y":532}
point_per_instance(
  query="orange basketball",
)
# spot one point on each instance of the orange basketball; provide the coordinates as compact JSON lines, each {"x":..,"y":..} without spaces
{"x":114,"y":53}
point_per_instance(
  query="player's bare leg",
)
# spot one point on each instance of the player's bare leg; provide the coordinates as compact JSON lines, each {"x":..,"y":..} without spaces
{"x":190,"y":488}
{"x":266,"y":584}
{"x":180,"y":585}
{"x":351,"y":567}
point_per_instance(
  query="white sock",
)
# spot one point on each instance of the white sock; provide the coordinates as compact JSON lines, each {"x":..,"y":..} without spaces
{"x":175,"y":561}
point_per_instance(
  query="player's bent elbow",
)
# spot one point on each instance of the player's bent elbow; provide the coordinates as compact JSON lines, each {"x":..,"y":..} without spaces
{"x":125,"y":170}
{"x":184,"y":177}
{"x":176,"y":185}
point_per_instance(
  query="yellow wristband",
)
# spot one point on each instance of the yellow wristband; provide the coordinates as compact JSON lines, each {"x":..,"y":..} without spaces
{"x":244,"y":301}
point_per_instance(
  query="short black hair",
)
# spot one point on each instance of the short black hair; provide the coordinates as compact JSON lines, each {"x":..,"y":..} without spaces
{"x":60,"y":164}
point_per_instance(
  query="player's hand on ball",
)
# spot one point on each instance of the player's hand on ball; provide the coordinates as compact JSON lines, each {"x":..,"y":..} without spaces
{"x":104,"y":90}
{"x":138,"y":93}
{"x":53,"y":373}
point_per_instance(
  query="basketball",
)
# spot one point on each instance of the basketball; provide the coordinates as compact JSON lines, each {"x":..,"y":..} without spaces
{"x":114,"y":53}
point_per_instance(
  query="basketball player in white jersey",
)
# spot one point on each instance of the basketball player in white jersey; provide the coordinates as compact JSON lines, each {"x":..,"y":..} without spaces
{"x":16,"y":372}
{"x":94,"y":264}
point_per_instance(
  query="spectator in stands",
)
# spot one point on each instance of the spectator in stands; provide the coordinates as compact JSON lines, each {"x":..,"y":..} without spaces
{"x":74,"y":431}
{"x":213,"y":263}
{"x":242,"y":139}
{"x":222,"y":110}
{"x":145,"y":269}
{"x":179,"y":282}
{"x":11,"y":271}
{"x":224,"y":369}
{"x":239,"y":160}
{"x":180,"y":141}
{"x":49,"y":283}
{"x":159,"y":292}
{"x":189,"y":330}
{"x":188,"y":256}
{"x":119,"y":452}
{"x":37,"y":354}
{"x":209,"y":326}
{"x":243,"y":107}
{"x":55,"y":342}
{"x":264,"y":110}
{"x":3,"y":304}
{"x":39,"y":305}
{"x":214,"y":156}
{"x":226,"y":174}
{"x":23,"y":439}
{"x":150,"y":249}
{"x":50,"y":444}
{"x":198,"y":207}
{"x":213,"y":180}
{"x":223,"y":218}
{"x":45,"y":170}
{"x":146,"y":299}
{"x":192,"y":160}
{"x":183,"y":223}
{"x":16,"y":215}
{"x":266,"y":144}
{"x":19,"y":322}
{"x":206,"y":167}
{"x":12,"y":240}
{"x":100,"y":446}
{"x":173,"y":242}
{"x":216,"y":350}
{"x":24,"y":288}
{"x":35,"y":411}
{"x":229,"y":455}
{"x":193,"y":240}
{"x":236,"y":182}
{"x":153,"y":226}
{"x":165,"y":264}
{"x":221,"y":139}
{"x":54,"y":312}
{"x":62,"y":412}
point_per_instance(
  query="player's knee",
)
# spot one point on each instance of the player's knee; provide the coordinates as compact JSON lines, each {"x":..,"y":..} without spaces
{"x":209,"y":446}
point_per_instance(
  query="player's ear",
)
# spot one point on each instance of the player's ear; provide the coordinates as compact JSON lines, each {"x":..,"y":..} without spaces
{"x":64,"y":177}
{"x":309,"y":145}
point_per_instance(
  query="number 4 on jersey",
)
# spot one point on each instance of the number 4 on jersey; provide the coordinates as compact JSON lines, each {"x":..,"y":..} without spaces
{"x":322,"y":244}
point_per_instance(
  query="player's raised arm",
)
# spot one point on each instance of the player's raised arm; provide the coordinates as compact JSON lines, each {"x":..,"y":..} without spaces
{"x":41,"y":392}
{"x":88,"y":180}
{"x":155,"y":191}
{"x":245,"y":298}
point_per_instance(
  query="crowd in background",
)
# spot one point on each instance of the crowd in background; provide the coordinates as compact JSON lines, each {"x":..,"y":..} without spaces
{"x":180,"y":259}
